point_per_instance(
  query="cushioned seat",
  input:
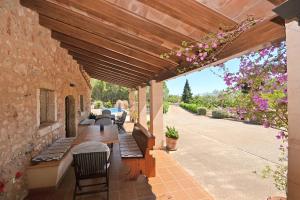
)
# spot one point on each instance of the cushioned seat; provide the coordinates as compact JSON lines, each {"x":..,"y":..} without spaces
{"x":129,"y":148}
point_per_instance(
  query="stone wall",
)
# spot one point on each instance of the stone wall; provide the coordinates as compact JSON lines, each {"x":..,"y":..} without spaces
{"x":29,"y":60}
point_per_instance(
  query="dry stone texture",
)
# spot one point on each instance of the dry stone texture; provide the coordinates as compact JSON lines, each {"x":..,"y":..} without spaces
{"x":30,"y":59}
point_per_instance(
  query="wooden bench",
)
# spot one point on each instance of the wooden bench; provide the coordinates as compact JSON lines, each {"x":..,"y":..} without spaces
{"x":135,"y":152}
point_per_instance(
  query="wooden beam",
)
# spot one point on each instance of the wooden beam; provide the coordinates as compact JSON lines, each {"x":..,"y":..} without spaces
{"x":119,"y":68}
{"x":210,"y":20}
{"x":129,"y":21}
{"x":92,"y":24}
{"x":108,"y":68}
{"x":276,"y":2}
{"x":104,"y":76}
{"x":260,"y":36}
{"x":106,"y":52}
{"x":103,"y":42}
{"x":91,"y":66}
{"x":107,"y":59}
{"x":112,"y":81}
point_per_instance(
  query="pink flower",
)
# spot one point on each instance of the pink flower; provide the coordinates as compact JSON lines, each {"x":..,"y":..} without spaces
{"x":200,"y":45}
{"x":206,"y":46}
{"x":214,"y":45}
{"x":179,"y":53}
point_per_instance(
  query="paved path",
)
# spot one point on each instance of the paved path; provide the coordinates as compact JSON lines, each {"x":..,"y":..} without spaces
{"x":223,"y":154}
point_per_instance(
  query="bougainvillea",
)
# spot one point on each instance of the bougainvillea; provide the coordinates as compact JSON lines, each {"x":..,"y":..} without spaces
{"x":262,"y":79}
{"x":200,"y":53}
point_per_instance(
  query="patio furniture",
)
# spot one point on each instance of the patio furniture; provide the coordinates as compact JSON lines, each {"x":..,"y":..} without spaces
{"x":120,"y":122}
{"x":93,"y":165}
{"x":112,"y":117}
{"x":106,"y":112}
{"x":135,"y":152}
{"x":93,"y":133}
{"x":104,"y":121}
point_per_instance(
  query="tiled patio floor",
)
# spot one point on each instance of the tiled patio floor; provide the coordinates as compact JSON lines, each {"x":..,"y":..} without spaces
{"x":171,"y":182}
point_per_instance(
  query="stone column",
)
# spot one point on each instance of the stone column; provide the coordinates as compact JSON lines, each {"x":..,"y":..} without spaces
{"x":142,"y":107}
{"x":131,"y":98}
{"x":156,"y":112}
{"x":293,"y":65}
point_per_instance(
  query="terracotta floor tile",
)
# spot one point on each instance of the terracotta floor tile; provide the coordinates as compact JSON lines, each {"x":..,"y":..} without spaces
{"x":173,"y":186}
{"x":159,"y":189}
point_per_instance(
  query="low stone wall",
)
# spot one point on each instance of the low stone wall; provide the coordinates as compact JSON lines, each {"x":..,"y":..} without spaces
{"x":29,"y":60}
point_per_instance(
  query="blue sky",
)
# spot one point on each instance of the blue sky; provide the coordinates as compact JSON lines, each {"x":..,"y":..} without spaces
{"x":202,"y":81}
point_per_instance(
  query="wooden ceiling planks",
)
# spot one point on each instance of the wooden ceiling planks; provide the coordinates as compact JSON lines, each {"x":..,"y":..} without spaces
{"x":126,"y":66}
{"x":103,"y":42}
{"x":121,"y":41}
{"x":135,"y":24}
{"x":238,"y":10}
{"x":208,"y":20}
{"x":105,"y":66}
{"x":102,"y":51}
{"x":93,"y":25}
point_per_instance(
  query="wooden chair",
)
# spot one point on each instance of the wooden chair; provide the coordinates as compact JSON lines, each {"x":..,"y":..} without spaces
{"x":91,"y":166}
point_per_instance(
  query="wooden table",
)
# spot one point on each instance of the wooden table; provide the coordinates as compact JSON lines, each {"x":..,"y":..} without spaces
{"x":93,"y":133}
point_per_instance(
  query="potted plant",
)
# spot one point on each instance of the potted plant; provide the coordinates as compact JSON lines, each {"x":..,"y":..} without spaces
{"x":171,"y":138}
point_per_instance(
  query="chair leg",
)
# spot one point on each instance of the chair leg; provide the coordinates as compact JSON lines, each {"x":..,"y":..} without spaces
{"x":75,"y":191}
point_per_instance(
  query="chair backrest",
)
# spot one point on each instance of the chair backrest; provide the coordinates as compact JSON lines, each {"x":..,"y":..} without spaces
{"x":123,"y":117}
{"x":106,"y":112}
{"x":93,"y":164}
{"x":103,"y":121}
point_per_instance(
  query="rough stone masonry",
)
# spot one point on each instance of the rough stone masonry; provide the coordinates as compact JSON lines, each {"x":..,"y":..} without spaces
{"x":31,"y":60}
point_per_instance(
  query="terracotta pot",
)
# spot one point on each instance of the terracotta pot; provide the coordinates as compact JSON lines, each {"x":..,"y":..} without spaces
{"x":276,"y":198}
{"x":171,"y":144}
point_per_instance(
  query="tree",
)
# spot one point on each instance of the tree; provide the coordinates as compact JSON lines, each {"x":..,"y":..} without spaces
{"x":262,"y":85}
{"x":187,"y":93}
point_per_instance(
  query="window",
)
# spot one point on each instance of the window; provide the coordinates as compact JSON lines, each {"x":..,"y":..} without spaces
{"x":81,"y":103}
{"x":47,"y":106}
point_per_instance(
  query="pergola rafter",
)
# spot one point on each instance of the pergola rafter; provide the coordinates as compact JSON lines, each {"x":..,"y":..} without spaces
{"x":128,"y":38}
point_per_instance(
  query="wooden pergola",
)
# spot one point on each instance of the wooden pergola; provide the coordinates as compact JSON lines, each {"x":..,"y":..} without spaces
{"x":121,"y":41}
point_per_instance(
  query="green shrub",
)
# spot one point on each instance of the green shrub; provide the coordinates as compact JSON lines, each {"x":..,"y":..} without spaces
{"x":98,"y":104}
{"x":201,"y":111}
{"x":166,"y":107}
{"x":172,"y":133}
{"x":219,"y":114}
{"x":190,"y":107}
{"x":108,"y":104}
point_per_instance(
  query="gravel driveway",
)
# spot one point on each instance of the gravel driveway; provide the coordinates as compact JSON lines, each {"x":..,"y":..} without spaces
{"x":223,"y":155}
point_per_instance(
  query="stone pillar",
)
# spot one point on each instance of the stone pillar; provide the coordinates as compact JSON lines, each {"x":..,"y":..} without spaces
{"x":293,"y":65}
{"x":142,"y":107}
{"x":156,"y":112}
{"x":132,"y":110}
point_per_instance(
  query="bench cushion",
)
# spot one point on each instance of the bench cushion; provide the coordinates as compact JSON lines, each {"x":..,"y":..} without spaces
{"x":129,"y":147}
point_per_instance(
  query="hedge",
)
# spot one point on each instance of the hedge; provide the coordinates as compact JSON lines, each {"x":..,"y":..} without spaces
{"x":219,"y":114}
{"x":201,"y":111}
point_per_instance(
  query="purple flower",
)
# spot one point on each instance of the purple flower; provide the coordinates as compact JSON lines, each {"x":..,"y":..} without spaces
{"x":262,"y":103}
{"x":214,"y":45}
{"x":266,"y":124}
{"x":206,"y":46}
